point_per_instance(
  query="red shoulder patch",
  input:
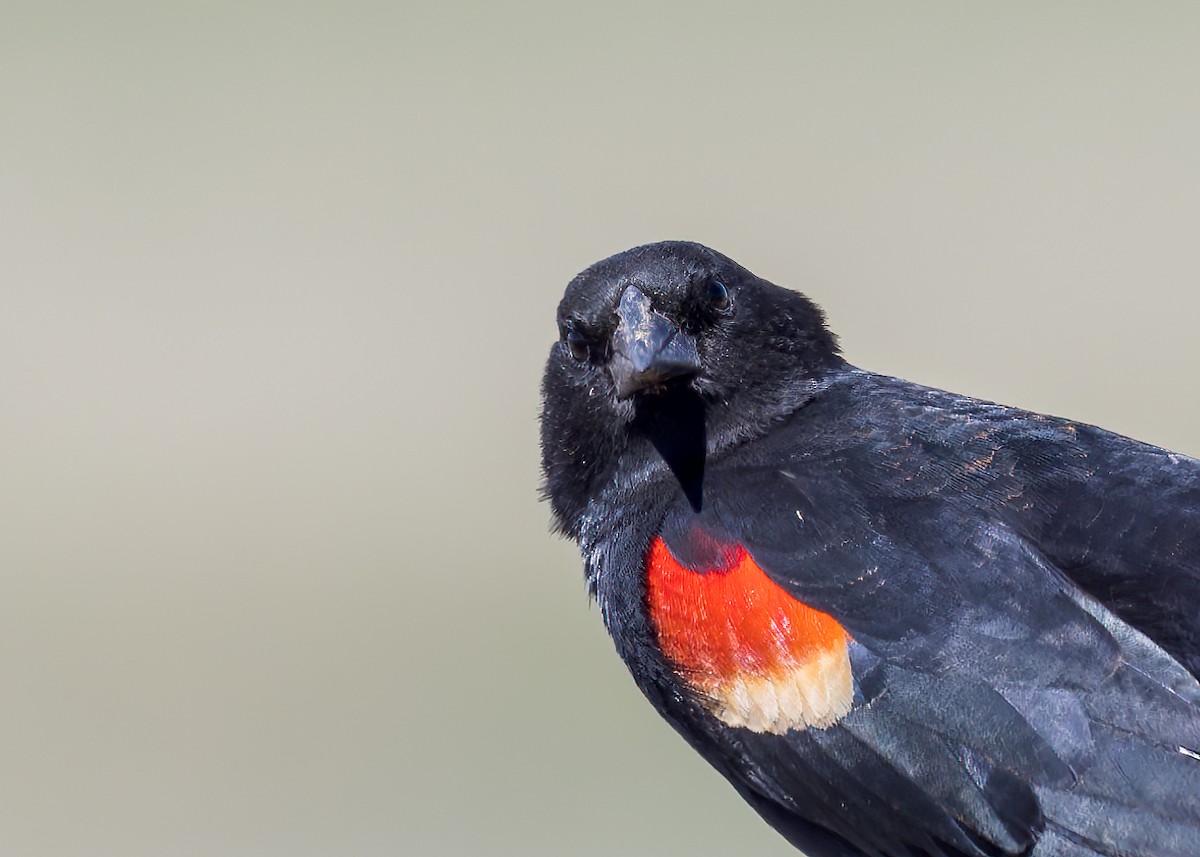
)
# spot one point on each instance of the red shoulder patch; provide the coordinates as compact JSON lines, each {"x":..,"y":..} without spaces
{"x":757,"y":656}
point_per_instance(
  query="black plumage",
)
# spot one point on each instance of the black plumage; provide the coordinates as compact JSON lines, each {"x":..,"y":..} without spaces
{"x":1020,"y":592}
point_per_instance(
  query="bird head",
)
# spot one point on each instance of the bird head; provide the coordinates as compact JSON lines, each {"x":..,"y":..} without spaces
{"x":657,"y":339}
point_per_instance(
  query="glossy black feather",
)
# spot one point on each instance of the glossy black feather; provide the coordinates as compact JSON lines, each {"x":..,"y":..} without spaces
{"x":1021,"y":591}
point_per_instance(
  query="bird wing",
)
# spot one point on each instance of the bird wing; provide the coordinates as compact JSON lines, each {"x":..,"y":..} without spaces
{"x":998,"y":708}
{"x":1118,"y":517}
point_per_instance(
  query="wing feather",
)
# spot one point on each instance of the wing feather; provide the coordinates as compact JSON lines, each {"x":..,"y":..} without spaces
{"x":996,"y":699}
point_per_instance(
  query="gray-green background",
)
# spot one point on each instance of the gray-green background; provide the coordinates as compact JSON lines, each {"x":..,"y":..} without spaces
{"x":276,"y":284}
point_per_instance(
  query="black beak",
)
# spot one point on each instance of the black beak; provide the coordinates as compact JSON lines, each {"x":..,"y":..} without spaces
{"x":647,"y":348}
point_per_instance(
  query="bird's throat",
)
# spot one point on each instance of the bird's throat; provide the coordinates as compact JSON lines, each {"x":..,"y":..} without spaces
{"x":756,"y":656}
{"x":675,"y":424}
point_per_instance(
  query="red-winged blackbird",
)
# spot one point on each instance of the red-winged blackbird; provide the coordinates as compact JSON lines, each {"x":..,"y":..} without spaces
{"x":901,"y":622}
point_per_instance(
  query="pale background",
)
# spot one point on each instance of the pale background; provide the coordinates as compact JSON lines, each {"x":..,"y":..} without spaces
{"x":277,"y":284}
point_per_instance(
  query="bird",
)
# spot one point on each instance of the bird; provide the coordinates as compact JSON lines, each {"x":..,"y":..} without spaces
{"x":901,"y":622}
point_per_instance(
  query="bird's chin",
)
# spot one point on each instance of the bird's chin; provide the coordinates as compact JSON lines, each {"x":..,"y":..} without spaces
{"x":650,"y":383}
{"x":689,"y":394}
{"x":658,"y":389}
{"x":666,"y":389}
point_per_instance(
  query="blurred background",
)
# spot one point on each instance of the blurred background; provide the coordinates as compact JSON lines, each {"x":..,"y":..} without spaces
{"x":276,"y":285}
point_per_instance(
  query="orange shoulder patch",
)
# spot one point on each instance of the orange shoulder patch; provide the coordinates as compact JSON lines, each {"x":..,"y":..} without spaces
{"x":759,"y":658}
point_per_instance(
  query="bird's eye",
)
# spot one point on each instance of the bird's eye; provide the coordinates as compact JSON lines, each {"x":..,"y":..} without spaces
{"x":578,"y":345}
{"x":718,"y":295}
